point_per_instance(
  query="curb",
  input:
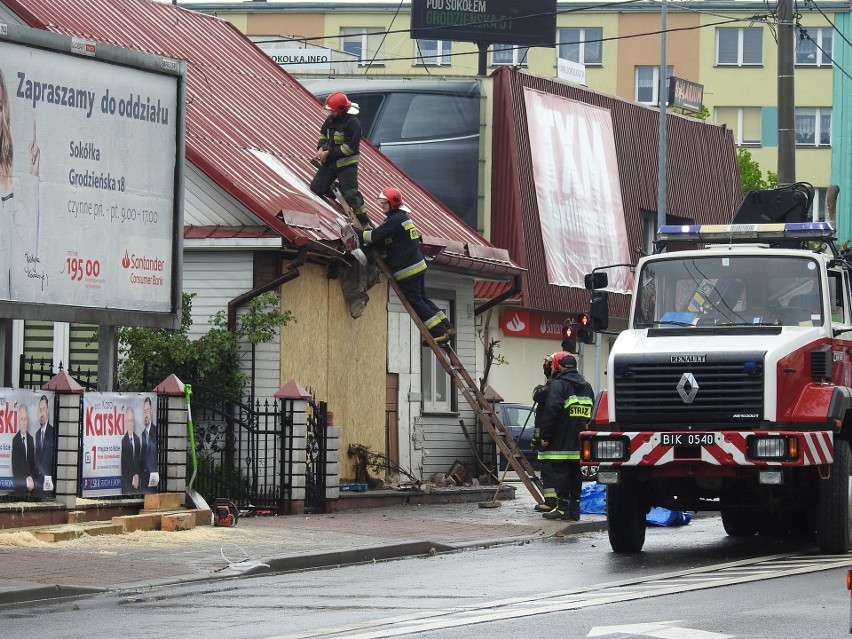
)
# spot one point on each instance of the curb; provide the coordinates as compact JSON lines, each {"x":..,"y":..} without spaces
{"x":40,"y":593}
{"x":292,"y":563}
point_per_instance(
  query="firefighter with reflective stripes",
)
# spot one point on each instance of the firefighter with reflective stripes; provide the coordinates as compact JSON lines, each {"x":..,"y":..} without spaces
{"x":399,"y":242}
{"x":539,"y":396}
{"x":567,"y":411}
{"x":338,"y":154}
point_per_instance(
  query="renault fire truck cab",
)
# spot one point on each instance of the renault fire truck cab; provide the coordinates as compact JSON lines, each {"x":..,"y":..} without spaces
{"x":730,"y":389}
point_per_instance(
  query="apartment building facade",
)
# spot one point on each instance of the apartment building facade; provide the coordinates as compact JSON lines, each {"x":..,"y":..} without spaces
{"x":729,"y":47}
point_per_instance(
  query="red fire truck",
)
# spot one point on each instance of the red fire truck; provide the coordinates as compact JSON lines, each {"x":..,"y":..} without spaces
{"x":730,"y":389}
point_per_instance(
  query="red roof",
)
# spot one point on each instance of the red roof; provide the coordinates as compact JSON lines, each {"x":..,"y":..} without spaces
{"x":239,"y":102}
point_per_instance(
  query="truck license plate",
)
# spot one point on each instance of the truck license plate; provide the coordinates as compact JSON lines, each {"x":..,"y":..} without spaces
{"x":687,"y":439}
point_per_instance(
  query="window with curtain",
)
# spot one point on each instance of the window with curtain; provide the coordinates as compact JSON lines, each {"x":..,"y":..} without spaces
{"x":739,"y":46}
{"x":813,"y":126}
{"x":438,"y":391}
{"x":581,"y":45}
{"x":508,"y":54}
{"x":364,"y":42}
{"x":433,"y":52}
{"x":815,"y":50}
{"x":648,"y":83}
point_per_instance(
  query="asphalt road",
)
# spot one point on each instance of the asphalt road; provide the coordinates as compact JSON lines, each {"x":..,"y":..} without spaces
{"x":690,"y":583}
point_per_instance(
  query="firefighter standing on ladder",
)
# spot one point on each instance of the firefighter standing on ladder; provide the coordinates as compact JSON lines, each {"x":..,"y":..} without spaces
{"x":398,"y":240}
{"x":567,"y":412}
{"x":338,"y":154}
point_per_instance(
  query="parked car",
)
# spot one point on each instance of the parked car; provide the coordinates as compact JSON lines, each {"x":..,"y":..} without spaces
{"x":519,"y":420}
{"x":429,"y":128}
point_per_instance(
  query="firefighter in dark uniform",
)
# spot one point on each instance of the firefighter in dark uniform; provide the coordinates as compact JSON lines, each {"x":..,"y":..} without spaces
{"x":398,"y":240}
{"x":539,"y":397}
{"x":567,"y":412}
{"x":338,"y":154}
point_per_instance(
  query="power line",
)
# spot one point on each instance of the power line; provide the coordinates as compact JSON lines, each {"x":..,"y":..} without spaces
{"x":730,"y":20}
{"x":827,"y":19}
{"x":804,"y":35}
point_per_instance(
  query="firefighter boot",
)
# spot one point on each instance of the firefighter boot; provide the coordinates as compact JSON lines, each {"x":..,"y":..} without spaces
{"x":560,"y":512}
{"x":549,"y":501}
{"x":574,"y":510}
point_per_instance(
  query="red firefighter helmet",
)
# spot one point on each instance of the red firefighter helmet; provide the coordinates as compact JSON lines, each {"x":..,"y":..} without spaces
{"x":339,"y":104}
{"x":390,"y":195}
{"x":562,"y":361}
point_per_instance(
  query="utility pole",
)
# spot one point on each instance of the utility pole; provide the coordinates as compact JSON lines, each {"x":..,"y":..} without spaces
{"x":786,"y":96}
{"x":661,"y":149}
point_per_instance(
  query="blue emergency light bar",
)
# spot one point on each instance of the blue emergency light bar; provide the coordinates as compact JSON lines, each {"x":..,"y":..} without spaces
{"x":716,"y":233}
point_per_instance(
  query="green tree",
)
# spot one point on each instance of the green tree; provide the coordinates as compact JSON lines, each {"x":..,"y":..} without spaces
{"x":751,"y":177}
{"x":213,"y":360}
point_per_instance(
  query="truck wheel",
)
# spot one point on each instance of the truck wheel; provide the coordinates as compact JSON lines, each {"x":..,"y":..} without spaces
{"x":625,"y":516}
{"x":739,"y":523}
{"x":833,"y":511}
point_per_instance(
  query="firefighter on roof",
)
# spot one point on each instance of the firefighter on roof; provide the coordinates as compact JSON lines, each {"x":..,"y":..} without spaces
{"x":399,"y":242}
{"x":567,"y":411}
{"x":337,"y":153}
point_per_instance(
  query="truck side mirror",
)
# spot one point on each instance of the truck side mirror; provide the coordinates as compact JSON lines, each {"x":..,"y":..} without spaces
{"x":599,"y":309}
{"x":596,"y":280}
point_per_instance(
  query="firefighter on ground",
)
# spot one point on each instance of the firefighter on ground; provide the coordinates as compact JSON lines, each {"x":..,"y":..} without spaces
{"x":399,"y":242}
{"x":338,"y":154}
{"x":539,"y":397}
{"x":567,"y":412}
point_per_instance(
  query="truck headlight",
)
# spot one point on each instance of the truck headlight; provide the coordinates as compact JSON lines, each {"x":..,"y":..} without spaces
{"x":773,"y":447}
{"x":609,"y":448}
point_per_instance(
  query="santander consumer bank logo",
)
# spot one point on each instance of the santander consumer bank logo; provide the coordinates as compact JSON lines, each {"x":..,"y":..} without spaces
{"x":515,"y":322}
{"x":149,"y":267}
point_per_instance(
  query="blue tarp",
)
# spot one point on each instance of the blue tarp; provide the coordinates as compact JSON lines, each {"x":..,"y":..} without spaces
{"x":593,"y":502}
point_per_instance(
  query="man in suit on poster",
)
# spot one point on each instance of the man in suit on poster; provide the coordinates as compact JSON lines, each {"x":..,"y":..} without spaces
{"x":149,"y":448}
{"x":131,"y":456}
{"x":23,"y":455}
{"x":45,"y":444}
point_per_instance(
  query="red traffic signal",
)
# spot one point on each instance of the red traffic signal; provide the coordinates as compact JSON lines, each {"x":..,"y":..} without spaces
{"x":569,"y":338}
{"x":584,"y":330}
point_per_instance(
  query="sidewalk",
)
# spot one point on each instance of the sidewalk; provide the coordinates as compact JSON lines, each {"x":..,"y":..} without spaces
{"x":32,"y":570}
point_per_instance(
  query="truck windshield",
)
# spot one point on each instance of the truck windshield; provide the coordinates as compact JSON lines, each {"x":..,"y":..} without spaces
{"x":729,"y":290}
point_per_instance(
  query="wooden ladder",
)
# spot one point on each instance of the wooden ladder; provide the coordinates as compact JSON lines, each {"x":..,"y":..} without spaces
{"x":449,"y":360}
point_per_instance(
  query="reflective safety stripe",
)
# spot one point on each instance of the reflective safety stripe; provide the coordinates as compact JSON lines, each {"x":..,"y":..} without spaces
{"x":579,"y":407}
{"x":367,"y":236}
{"x":548,"y":492}
{"x":559,"y":454}
{"x":345,"y":150}
{"x":408,"y":271}
{"x":408,"y":225}
{"x":433,"y":321}
{"x":347,"y":161}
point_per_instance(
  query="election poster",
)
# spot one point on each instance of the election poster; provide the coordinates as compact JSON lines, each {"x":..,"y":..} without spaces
{"x":27,"y":443}
{"x":119,"y":444}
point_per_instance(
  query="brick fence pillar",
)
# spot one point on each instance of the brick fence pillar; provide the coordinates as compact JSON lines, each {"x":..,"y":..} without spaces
{"x":177,"y":470}
{"x":67,"y":396}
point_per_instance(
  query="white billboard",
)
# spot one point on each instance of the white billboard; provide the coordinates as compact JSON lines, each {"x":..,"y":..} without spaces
{"x":91,"y":156}
{"x":575,"y":168}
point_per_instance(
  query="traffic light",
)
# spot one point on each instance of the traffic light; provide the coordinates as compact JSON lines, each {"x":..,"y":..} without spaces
{"x":569,"y":338}
{"x":584,"y":329}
